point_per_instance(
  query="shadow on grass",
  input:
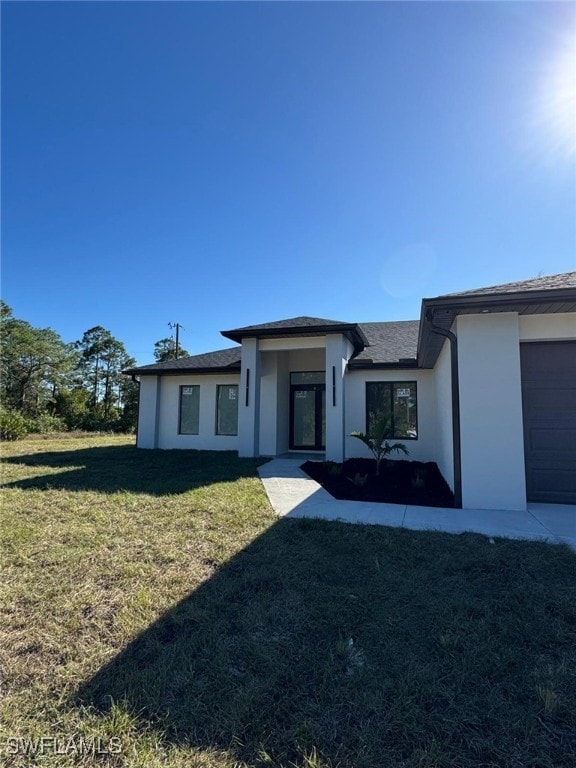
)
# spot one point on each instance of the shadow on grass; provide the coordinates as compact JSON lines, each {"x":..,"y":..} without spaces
{"x":125,"y":468}
{"x":375,"y":647}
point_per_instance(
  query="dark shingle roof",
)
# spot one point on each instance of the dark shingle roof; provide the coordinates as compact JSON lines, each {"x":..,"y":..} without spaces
{"x":388,"y":342}
{"x":541,"y":295}
{"x":220,"y":361}
{"x":391,"y":343}
{"x":549,"y":282}
{"x":292,"y":322}
{"x":299,"y":326}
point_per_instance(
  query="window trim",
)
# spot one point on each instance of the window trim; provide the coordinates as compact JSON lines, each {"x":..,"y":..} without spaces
{"x":180,"y":393}
{"x":391,"y":384}
{"x":226,"y":434}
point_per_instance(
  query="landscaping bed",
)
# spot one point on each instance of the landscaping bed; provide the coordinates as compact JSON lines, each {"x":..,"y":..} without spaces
{"x":399,"y":481}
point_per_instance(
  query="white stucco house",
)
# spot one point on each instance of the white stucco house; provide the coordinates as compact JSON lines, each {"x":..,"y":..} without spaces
{"x":484,"y":384}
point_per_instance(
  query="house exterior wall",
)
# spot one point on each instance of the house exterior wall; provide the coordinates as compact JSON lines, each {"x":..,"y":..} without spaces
{"x":338,"y":352}
{"x":492,"y":436}
{"x":493,"y":471}
{"x":147,"y":412}
{"x":249,"y":399}
{"x":443,"y":411}
{"x":283,"y":405}
{"x":275,"y":369}
{"x":207,"y":439}
{"x":269,"y":412}
{"x":547,"y":327}
{"x":424,"y":448}
{"x":295,"y":343}
{"x":306,"y":360}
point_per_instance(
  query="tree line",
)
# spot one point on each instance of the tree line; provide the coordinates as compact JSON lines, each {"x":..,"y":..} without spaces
{"x":48,"y":385}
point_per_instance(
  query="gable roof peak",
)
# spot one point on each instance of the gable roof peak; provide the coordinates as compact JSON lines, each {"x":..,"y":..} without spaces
{"x":302,"y":321}
{"x":299,"y":326}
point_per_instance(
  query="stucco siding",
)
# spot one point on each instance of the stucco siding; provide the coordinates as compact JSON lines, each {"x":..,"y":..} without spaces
{"x":207,"y":439}
{"x":338,"y":352}
{"x":307,"y":360}
{"x":424,"y":448}
{"x":493,"y":473}
{"x":294,"y":343}
{"x":283,"y":405}
{"x":492,"y":436}
{"x":275,"y":370}
{"x":547,"y":327}
{"x":443,"y":401}
{"x":249,"y":399}
{"x":269,"y":402}
{"x":147,"y":412}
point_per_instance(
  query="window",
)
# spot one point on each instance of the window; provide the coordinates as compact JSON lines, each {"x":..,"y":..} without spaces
{"x":189,"y":421}
{"x":227,"y":409}
{"x":307,"y":377}
{"x":394,"y":401}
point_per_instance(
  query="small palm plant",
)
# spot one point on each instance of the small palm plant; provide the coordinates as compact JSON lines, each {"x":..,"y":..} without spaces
{"x":377,"y":443}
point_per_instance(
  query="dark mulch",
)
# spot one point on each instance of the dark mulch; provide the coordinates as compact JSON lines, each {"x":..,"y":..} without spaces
{"x":399,"y":482}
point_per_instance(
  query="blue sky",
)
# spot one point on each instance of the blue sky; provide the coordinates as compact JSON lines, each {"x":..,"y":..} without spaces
{"x":222,"y":164}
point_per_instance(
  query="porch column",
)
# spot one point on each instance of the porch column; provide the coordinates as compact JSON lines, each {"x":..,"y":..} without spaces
{"x":337,"y":354}
{"x":249,"y":400}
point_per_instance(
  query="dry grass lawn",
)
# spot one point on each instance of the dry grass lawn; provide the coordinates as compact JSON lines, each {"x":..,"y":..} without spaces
{"x":154,"y":607}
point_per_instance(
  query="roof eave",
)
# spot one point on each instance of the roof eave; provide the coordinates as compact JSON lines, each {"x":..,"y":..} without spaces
{"x":351,"y":330}
{"x":452,"y":306}
{"x":181,"y":371}
{"x":371,"y":366}
{"x":549,"y":295}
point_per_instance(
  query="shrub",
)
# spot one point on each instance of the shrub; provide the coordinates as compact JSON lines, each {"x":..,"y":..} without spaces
{"x":13,"y":425}
{"x":333,"y":468}
{"x":377,"y":443}
{"x":72,"y":405}
{"x":94,"y":422}
{"x":419,"y":479}
{"x":359,"y":480}
{"x":46,"y":423}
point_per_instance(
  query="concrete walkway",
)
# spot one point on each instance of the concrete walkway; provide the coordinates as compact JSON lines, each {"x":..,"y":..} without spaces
{"x":293,"y":494}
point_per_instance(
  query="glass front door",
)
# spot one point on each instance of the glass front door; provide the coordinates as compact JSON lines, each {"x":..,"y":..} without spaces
{"x":307,"y":410}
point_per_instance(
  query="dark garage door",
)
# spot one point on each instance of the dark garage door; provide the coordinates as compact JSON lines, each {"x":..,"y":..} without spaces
{"x":549,"y":406}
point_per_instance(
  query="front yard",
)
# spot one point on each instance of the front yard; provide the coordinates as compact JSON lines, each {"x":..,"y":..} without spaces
{"x":155,"y":612}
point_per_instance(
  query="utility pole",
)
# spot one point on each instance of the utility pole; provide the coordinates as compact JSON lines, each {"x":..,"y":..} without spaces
{"x":177,"y":326}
